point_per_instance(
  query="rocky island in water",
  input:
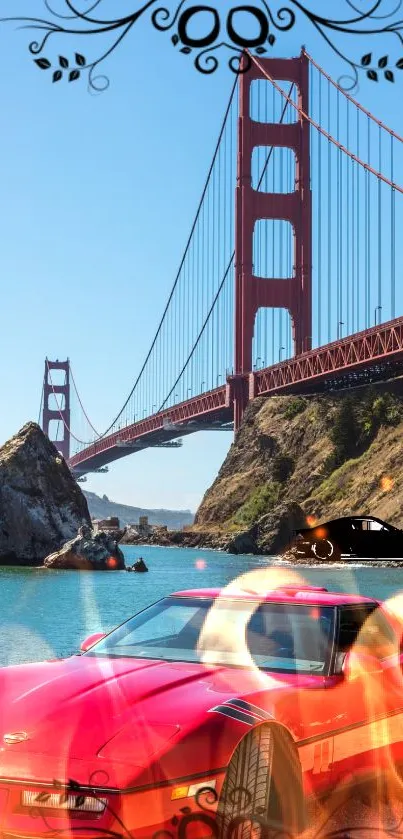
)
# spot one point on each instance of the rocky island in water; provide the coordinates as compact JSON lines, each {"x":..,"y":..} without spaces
{"x":44,"y":518}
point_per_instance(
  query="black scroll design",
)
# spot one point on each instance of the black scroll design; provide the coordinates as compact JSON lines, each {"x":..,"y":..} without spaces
{"x":78,"y":24}
{"x":222,"y":31}
{"x":81,"y":792}
{"x":203,"y":812}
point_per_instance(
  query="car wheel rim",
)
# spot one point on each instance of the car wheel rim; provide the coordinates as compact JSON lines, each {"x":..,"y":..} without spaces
{"x":323,"y":555}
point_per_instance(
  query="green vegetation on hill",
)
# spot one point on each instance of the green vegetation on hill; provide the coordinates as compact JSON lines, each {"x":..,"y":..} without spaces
{"x":333,"y":454}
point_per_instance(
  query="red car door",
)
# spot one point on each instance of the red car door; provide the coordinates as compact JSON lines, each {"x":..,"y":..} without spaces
{"x":368,"y":696}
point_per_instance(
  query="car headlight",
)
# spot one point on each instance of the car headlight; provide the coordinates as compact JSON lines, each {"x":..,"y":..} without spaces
{"x":63,"y":801}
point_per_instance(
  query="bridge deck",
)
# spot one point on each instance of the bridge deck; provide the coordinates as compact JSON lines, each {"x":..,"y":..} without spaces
{"x":373,"y":354}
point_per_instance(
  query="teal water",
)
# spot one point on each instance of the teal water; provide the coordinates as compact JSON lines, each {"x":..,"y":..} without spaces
{"x":46,"y":614}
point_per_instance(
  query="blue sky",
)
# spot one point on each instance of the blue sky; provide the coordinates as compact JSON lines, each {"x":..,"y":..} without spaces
{"x":96,"y":201}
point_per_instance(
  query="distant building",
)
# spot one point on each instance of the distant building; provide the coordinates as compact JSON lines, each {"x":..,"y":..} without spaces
{"x":111,"y":523}
{"x":144,"y":529}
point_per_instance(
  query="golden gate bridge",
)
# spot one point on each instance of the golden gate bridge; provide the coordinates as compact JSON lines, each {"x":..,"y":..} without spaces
{"x":289,"y":279}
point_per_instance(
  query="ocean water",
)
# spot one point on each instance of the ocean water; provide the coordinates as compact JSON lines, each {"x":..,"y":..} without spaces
{"x":46,"y":614}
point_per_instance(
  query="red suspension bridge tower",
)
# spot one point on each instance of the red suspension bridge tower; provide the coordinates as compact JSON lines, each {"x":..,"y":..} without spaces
{"x":60,"y":411}
{"x":251,"y":292}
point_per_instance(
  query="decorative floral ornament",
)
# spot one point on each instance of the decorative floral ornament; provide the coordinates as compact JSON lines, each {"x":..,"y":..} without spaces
{"x":224,"y":31}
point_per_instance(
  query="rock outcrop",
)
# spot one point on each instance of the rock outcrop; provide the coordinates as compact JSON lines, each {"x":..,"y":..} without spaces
{"x":139,"y":566}
{"x":272,"y":533}
{"x":88,"y":551}
{"x":41,"y":505}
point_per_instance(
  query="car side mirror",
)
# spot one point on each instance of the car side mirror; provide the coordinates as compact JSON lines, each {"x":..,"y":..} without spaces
{"x":358,"y":665}
{"x":91,"y":640}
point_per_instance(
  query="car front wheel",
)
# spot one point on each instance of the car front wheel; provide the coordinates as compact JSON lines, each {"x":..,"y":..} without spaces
{"x":262,"y":789}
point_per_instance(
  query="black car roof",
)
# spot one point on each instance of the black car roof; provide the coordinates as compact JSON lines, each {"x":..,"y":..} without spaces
{"x":354,"y":518}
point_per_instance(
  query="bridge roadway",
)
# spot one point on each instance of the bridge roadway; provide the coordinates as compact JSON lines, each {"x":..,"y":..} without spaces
{"x":374,"y":354}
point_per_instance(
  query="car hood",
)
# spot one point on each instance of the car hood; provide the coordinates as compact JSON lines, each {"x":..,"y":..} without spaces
{"x":78,"y":707}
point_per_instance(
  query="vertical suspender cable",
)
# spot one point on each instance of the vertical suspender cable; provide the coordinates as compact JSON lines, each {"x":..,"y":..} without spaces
{"x":392,"y":235}
{"x":219,"y":343}
{"x":319,"y":210}
{"x":368,"y":223}
{"x":348,"y":170}
{"x":329,"y":221}
{"x":40,"y":408}
{"x":338,"y":221}
{"x":213,"y":260}
{"x":357,"y":296}
{"x":379,"y":305}
{"x":273,"y":311}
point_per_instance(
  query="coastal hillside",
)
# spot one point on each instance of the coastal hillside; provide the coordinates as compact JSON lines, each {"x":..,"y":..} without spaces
{"x":101,"y":508}
{"x":320,"y":456}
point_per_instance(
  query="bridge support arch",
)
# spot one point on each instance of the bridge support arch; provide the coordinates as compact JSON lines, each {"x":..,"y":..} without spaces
{"x":62,"y":395}
{"x":252,"y":292}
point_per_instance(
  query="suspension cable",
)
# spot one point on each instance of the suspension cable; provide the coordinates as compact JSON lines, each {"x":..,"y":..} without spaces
{"x":393,"y":238}
{"x":81,"y":404}
{"x":312,"y":122}
{"x":41,"y":405}
{"x":181,"y":263}
{"x":351,"y":99}
{"x":224,"y":277}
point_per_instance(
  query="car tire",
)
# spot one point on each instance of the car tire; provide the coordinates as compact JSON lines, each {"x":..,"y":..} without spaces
{"x":262,"y":788}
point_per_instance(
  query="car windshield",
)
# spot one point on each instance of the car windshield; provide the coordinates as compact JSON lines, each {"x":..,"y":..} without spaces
{"x":272,"y":636}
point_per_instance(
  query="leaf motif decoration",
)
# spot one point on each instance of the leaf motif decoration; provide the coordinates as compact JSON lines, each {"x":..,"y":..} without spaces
{"x":399,"y":64}
{"x":175,"y":39}
{"x":73,"y":785}
{"x":271,"y":39}
{"x":43,"y":63}
{"x":42,"y":797}
{"x":389,"y":75}
{"x":80,"y":60}
{"x":63,"y":62}
{"x":57,"y":75}
{"x":366,"y":59}
{"x":373,"y":75}
{"x":74,"y":75}
{"x":383,"y":62}
{"x":186,"y":50}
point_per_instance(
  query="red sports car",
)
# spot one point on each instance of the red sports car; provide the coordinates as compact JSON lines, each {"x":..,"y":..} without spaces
{"x":208,"y":711}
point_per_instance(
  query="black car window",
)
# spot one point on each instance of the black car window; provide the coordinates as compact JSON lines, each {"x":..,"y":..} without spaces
{"x":366,"y":629}
{"x":368,"y":525}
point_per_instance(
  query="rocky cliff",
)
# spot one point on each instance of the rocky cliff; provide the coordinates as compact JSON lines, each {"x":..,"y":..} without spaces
{"x":41,"y":505}
{"x":317,"y":457}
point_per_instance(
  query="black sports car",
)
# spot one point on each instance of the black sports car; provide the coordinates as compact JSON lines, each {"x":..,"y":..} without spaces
{"x":355,"y":536}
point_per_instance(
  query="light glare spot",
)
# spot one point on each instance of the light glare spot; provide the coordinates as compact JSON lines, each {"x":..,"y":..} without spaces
{"x":387,"y":484}
{"x":200,"y":564}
